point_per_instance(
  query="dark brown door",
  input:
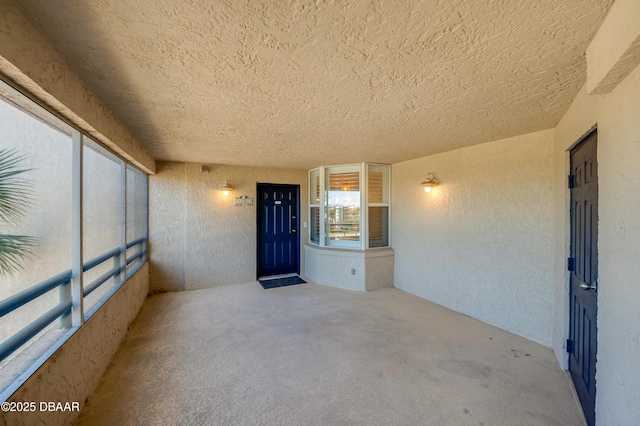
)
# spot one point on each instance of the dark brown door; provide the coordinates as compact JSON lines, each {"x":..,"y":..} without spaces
{"x":582,"y":343}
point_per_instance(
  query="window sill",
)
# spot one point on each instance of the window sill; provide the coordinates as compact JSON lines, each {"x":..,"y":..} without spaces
{"x":347,"y":252}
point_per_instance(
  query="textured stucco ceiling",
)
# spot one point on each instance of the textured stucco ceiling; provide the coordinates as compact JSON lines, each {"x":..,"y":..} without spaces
{"x":304,"y":83}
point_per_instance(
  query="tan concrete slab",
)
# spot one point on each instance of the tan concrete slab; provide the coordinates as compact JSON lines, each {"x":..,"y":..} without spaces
{"x":315,"y":355}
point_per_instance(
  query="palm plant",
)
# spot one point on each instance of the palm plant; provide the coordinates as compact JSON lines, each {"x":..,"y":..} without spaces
{"x":15,"y":199}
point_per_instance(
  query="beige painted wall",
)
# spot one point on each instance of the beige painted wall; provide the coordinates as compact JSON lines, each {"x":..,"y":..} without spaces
{"x":372,"y":269}
{"x":198,"y":237}
{"x":617,"y":115}
{"x":615,"y":50}
{"x":74,"y":371}
{"x":32,"y":63}
{"x":481,"y":242}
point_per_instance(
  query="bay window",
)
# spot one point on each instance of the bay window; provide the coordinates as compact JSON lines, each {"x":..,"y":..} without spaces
{"x":337,"y":195}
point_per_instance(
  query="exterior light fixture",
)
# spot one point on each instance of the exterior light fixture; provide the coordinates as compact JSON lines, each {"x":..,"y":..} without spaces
{"x":429,"y":182}
{"x":225,"y":188}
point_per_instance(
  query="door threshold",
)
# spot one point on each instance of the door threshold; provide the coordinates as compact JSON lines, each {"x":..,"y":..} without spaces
{"x":275,"y":277}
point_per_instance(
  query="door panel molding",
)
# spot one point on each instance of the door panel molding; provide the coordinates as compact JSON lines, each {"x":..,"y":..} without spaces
{"x":583,"y":279}
{"x":277,"y":227}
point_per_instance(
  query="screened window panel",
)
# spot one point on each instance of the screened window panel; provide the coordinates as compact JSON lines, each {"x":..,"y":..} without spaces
{"x":44,"y":147}
{"x":44,"y":151}
{"x":102,"y":217}
{"x":136,"y":214}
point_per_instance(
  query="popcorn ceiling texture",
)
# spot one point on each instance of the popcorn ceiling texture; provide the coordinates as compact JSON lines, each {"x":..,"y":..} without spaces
{"x":37,"y":68}
{"x":301,"y":83}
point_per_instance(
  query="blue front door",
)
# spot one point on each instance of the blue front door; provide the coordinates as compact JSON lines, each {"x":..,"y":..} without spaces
{"x":582,"y":345}
{"x":278,"y":219}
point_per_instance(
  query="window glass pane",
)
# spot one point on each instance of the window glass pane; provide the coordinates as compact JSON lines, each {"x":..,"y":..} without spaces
{"x":136,"y":215}
{"x":314,"y":235}
{"x":378,"y":194}
{"x":45,"y":152}
{"x":378,"y":184}
{"x":342,"y":208}
{"x":314,"y":187}
{"x":102,"y":222}
{"x":378,"y":227}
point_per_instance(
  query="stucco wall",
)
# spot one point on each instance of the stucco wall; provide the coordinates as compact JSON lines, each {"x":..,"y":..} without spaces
{"x":618,"y":372}
{"x":75,"y":370}
{"x":481,"y":242}
{"x":198,"y":237}
{"x":372,"y":269}
{"x":615,"y":50}
{"x":31,"y":62}
{"x":333,"y":267}
{"x":617,"y":115}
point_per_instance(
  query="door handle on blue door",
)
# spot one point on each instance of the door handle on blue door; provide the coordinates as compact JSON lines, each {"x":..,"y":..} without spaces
{"x":587,"y":286}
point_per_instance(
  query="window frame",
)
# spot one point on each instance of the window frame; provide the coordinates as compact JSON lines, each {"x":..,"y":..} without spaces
{"x":363,"y":170}
{"x":70,"y":283}
{"x":318,"y":204}
{"x":386,"y":204}
{"x":343,"y":244}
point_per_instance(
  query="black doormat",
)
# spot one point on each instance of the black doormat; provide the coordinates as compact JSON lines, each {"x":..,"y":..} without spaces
{"x":281,"y":282}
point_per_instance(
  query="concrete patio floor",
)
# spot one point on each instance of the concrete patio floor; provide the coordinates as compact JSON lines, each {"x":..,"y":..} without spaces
{"x":315,"y":355}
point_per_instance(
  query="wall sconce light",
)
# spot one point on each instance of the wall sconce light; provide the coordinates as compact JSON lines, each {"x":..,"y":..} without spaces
{"x":225,"y":188}
{"x":429,"y":182}
{"x":204,"y":170}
